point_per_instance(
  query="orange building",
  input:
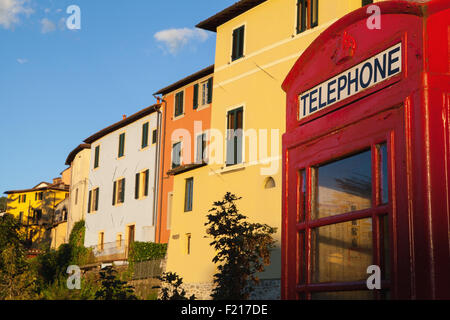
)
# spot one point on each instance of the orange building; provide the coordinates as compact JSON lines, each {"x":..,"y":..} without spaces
{"x":186,"y":118}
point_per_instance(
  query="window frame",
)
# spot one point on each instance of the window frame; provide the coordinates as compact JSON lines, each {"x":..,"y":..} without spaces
{"x":145,"y":135}
{"x":175,"y":105}
{"x":306,"y":19}
{"x":180,"y":157}
{"x":189,"y":195}
{"x":121,"y":148}
{"x":235,"y":110}
{"x":96,"y":156}
{"x":119,"y":197}
{"x":241,"y":54}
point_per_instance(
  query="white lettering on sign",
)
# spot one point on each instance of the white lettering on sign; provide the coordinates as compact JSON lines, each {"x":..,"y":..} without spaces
{"x":352,"y":81}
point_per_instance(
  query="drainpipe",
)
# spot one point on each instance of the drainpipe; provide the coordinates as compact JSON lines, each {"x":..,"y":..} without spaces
{"x":156,"y":219}
{"x":162,"y":141}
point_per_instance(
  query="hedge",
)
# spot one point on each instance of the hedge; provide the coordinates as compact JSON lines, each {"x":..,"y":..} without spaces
{"x":143,"y":251}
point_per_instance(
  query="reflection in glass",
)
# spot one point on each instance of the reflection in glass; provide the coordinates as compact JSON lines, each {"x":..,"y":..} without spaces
{"x":386,"y":253}
{"x":342,"y":252}
{"x":343,"y":295}
{"x":343,"y":186}
{"x":302,"y":257}
{"x":302,"y":196}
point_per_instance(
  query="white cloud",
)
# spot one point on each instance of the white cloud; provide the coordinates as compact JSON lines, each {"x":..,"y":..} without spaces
{"x":22,"y":60}
{"x":10,"y":10}
{"x":175,"y":39}
{"x":47,"y":26}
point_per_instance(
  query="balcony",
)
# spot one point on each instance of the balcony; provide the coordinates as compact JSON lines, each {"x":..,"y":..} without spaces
{"x":110,"y":252}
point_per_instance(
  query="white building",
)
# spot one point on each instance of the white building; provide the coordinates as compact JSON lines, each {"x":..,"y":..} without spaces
{"x":122,"y":186}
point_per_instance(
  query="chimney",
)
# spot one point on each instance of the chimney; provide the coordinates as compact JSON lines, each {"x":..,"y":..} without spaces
{"x":158,"y":100}
{"x":124,"y":117}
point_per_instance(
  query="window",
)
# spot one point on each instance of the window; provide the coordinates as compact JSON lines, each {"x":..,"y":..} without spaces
{"x":24,"y":198}
{"x":188,"y":243}
{"x":195,"y":99}
{"x":188,"y":195}
{"x":176,"y":155}
{"x":238,"y":43}
{"x":179,"y":101}
{"x":93,"y":200}
{"x":234,"y":136}
{"x":366,"y":2}
{"x":101,"y":241}
{"x":144,"y":135}
{"x":347,"y":216}
{"x":97,"y":156}
{"x":76,"y":196}
{"x":201,"y":148}
{"x":307,"y":14}
{"x":155,"y":136}
{"x":141,"y":184}
{"x":121,"y":145}
{"x":118,"y":192}
{"x":119,"y":240}
{"x":20,"y":217}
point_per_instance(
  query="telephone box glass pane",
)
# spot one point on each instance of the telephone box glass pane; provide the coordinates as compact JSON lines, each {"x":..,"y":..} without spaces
{"x":382,"y":151}
{"x":342,"y":252}
{"x":343,"y":186}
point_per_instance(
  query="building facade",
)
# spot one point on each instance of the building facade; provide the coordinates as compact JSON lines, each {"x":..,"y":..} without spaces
{"x":35,"y":209}
{"x":79,"y":161}
{"x":186,"y":118}
{"x":257,"y":44}
{"x":122,"y":186}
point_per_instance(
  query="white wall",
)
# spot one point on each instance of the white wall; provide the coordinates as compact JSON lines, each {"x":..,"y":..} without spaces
{"x":110,"y":219}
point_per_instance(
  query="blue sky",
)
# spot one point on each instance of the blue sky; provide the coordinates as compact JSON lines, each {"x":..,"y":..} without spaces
{"x":58,"y":86}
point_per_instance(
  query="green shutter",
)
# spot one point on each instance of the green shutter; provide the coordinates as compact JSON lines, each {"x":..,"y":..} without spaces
{"x":122,"y":195}
{"x":121,"y":145}
{"x":136,"y":189}
{"x":145,"y":135}
{"x":97,"y":156}
{"x":89,"y":201}
{"x":97,"y":193}
{"x":114,"y":193}
{"x":147,"y":174}
{"x":210,"y":90}
{"x":195,"y":102}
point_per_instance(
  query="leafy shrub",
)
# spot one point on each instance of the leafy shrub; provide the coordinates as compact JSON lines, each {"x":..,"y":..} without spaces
{"x":113,"y":288}
{"x":242,"y":249}
{"x":171,"y":289}
{"x":143,"y":251}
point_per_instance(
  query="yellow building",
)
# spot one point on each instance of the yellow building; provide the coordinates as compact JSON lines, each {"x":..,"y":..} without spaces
{"x":35,"y":208}
{"x":257,"y":44}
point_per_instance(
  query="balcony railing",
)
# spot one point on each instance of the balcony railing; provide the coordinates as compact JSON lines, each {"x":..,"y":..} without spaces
{"x":110,"y":251}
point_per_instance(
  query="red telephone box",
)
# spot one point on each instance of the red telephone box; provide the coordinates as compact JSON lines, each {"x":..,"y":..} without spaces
{"x":366,"y":166}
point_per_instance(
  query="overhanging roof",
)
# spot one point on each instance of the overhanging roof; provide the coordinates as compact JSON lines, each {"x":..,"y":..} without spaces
{"x":123,"y":123}
{"x":181,"y":83}
{"x":75,"y":151}
{"x":227,"y":14}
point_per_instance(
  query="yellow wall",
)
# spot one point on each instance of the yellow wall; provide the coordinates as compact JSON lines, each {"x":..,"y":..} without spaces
{"x":58,"y":235}
{"x":271,"y":44}
{"x":47,"y":204}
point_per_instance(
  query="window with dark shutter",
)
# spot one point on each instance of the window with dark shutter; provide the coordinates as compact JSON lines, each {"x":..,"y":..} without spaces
{"x":121,"y":145}
{"x":238,"y":43}
{"x":201,"y":148}
{"x":179,"y":103}
{"x":136,"y":189}
{"x":89,"y":201}
{"x":234,"y":136}
{"x":366,"y":2}
{"x":210,"y":90}
{"x":146,"y":180}
{"x":307,"y":14}
{"x":97,"y":193}
{"x":114,"y":193}
{"x":195,"y":99}
{"x":155,"y":136}
{"x":188,"y":196}
{"x":97,"y":156}
{"x":122,"y":191}
{"x":145,"y":135}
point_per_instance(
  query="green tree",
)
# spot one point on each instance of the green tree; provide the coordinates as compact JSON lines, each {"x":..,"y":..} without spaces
{"x":242,"y":249}
{"x":17,"y":279}
{"x":112,"y":288}
{"x":3,"y":204}
{"x":171,"y":289}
